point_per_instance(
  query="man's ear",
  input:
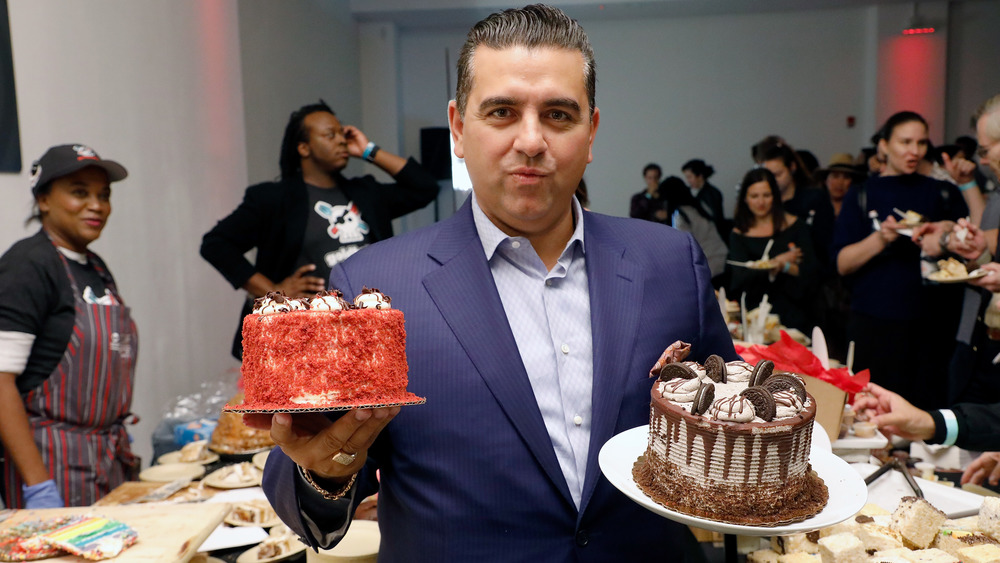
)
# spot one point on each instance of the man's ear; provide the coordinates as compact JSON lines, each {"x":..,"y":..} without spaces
{"x":303,"y":149}
{"x":456,"y":125}
{"x":595,"y":120}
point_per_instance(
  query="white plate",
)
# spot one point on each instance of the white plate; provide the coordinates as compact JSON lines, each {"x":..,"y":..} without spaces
{"x":217,"y":478}
{"x":270,"y":522}
{"x":820,"y":441}
{"x":847,"y":489}
{"x":250,"y":555}
{"x":171,"y":472}
{"x":892,"y":486}
{"x":259,"y":459}
{"x":175,"y":457}
{"x":973,"y":275}
{"x":852,"y":442}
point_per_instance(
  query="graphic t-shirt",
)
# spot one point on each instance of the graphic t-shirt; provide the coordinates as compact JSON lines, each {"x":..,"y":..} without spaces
{"x":334,"y":230}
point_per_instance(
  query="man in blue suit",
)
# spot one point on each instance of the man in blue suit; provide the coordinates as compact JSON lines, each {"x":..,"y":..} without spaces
{"x":531,"y":328}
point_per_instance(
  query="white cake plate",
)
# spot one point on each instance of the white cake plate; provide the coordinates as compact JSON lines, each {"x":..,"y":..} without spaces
{"x":847,"y":489}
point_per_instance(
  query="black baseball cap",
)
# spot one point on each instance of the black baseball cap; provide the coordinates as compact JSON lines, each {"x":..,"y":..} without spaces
{"x":61,"y":160}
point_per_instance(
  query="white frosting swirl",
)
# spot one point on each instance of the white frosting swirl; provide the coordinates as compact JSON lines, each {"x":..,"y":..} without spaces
{"x":327,"y":303}
{"x":372,"y":299}
{"x":680,"y":390}
{"x":734,"y":408}
{"x":738,"y":371}
{"x":697,"y":368}
{"x":787,"y":404}
{"x":271,"y":304}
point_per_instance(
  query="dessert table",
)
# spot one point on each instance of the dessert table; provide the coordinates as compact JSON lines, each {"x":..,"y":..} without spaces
{"x":168,"y":533}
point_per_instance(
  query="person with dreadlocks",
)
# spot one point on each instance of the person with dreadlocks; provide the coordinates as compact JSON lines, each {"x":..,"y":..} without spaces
{"x":312,"y":217}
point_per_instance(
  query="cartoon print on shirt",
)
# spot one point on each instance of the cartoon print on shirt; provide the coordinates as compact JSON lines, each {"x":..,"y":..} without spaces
{"x":345,"y":222}
{"x":90,"y":297}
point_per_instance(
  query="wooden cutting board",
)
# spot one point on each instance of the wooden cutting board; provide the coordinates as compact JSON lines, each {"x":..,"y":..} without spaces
{"x":168,"y":533}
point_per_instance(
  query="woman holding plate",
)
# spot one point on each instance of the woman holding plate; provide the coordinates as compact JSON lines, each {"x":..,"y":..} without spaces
{"x":773,"y":253}
{"x":903,"y":327}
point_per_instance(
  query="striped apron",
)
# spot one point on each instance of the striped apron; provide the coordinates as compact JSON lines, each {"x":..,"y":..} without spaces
{"x":77,"y":416}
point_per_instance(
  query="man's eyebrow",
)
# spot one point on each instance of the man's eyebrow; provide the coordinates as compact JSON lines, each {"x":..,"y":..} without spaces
{"x":497,"y":101}
{"x":568,"y":103}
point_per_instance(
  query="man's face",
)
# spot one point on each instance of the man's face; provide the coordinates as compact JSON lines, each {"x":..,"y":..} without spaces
{"x":327,"y":146}
{"x":989,"y":148}
{"x":526,"y":135}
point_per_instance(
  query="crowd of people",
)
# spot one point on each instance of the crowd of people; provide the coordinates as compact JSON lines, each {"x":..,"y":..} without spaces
{"x":542,"y":274}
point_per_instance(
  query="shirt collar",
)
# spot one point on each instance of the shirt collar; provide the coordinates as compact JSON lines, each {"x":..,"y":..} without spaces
{"x":491,"y":236}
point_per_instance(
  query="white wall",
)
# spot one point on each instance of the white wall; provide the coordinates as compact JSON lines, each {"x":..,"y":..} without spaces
{"x":156,"y":86}
{"x":701,"y":87}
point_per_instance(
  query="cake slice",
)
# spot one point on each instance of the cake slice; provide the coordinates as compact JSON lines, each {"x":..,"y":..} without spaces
{"x":795,"y":542}
{"x":872,"y":509}
{"x":984,"y":553}
{"x":917,"y":521}
{"x":932,"y":555}
{"x":763,"y":556}
{"x":876,"y":537}
{"x":799,"y":557}
{"x":954,"y":540}
{"x":842,"y":548}
{"x":969,"y":523}
{"x":894,"y":555}
{"x":989,"y":516}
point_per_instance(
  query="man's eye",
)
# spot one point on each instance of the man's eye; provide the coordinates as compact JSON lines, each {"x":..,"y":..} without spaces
{"x":500,"y":112}
{"x":559,"y":115}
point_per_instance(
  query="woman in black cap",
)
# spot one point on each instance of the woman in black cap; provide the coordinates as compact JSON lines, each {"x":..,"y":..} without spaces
{"x":67,"y":343}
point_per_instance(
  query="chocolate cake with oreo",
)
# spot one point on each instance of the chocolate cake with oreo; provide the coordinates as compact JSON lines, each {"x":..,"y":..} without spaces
{"x":730,"y":442}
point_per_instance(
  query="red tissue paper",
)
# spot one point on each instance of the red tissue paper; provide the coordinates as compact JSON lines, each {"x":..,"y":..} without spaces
{"x":789,"y":355}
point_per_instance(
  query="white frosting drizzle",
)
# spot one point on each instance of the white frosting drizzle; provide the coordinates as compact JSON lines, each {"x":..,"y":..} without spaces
{"x":269,"y":306}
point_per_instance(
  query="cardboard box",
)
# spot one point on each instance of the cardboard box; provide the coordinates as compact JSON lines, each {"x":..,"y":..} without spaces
{"x":830,"y":402}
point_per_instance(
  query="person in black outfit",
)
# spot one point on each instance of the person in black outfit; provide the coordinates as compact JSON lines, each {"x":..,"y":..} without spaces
{"x":650,"y":204}
{"x":696,"y":174}
{"x":313,"y":217}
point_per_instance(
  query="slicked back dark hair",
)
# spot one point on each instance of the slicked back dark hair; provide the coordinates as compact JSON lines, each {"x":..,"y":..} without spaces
{"x":532,"y":26}
{"x":295,"y":132}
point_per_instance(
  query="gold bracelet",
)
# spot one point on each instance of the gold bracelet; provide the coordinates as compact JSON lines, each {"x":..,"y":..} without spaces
{"x":335,"y":495}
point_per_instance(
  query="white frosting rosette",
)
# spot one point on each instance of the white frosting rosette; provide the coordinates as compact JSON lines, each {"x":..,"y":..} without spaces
{"x":734,"y":408}
{"x":738,"y":371}
{"x":680,"y":390}
{"x":372,"y":299}
{"x":787,"y":404}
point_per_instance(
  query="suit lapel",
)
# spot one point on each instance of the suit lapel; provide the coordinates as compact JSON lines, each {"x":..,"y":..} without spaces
{"x":465,"y":294}
{"x":614,"y":293}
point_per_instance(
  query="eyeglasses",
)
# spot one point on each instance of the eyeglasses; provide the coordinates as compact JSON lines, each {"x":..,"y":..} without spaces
{"x":984,"y":149}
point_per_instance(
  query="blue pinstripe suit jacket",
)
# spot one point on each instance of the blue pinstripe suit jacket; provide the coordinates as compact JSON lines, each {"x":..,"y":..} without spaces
{"x":471,"y":475}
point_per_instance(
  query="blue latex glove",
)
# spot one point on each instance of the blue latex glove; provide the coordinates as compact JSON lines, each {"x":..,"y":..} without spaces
{"x":42,"y":495}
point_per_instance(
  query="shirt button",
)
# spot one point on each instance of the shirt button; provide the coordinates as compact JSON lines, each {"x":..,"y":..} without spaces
{"x":548,"y":283}
{"x":515,"y":244}
{"x":578,"y":420}
{"x":565,"y":348}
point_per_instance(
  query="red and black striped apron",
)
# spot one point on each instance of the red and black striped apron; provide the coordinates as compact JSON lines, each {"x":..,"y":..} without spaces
{"x":78,"y":414}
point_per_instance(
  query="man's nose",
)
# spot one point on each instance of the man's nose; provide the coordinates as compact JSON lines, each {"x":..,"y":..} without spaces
{"x":530,"y":137}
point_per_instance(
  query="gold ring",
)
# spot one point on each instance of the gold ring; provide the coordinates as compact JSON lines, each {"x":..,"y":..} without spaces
{"x":344,"y":458}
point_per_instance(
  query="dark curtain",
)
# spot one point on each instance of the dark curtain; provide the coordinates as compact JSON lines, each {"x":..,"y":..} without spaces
{"x":10,"y":142}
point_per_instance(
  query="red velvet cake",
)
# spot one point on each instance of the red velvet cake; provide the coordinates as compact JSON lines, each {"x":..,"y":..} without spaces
{"x":730,"y":442}
{"x":324,"y":353}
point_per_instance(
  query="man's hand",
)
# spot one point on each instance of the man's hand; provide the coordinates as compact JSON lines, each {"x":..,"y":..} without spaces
{"x":312,"y":441}
{"x":300,"y":285}
{"x":960,"y":169}
{"x":928,"y":236}
{"x":971,"y":244}
{"x":356,"y":141}
{"x":893,"y":414}
{"x":991,"y":280}
{"x":986,"y":467}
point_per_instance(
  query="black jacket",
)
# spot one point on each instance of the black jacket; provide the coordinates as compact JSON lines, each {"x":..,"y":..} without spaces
{"x":272,"y":218}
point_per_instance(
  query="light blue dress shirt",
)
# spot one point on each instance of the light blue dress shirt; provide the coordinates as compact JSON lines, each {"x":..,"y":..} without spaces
{"x":549,"y":315}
